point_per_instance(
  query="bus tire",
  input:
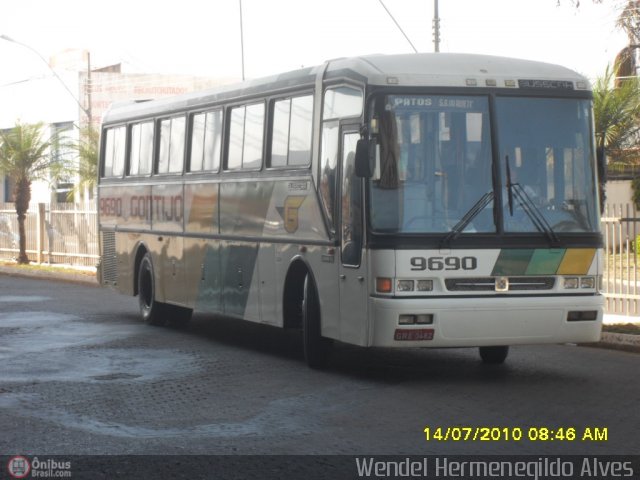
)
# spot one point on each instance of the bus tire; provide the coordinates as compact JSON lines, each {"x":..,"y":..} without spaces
{"x":316,"y":347}
{"x":494,"y":355}
{"x":152,"y":311}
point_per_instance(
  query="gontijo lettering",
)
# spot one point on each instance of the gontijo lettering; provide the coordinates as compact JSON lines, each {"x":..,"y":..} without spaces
{"x":159,"y":207}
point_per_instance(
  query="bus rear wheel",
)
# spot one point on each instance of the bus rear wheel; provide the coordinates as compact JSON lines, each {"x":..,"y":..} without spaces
{"x":152,"y":311}
{"x":316,"y":347}
{"x":494,"y":355}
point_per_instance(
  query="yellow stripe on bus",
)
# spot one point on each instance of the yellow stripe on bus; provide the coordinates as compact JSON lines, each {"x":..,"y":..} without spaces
{"x":576,"y":261}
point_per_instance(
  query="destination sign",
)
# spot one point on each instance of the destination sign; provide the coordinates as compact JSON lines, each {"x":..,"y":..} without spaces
{"x":547,"y":84}
{"x":439,"y":102}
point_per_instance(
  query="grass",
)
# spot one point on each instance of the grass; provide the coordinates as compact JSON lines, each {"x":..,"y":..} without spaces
{"x":48,"y":268}
{"x":629,"y":328}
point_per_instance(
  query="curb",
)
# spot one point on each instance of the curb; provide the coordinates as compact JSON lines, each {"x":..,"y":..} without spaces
{"x":619,"y":341}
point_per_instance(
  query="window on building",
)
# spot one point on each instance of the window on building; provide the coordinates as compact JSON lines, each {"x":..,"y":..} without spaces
{"x":9,"y":189}
{"x":63,"y":154}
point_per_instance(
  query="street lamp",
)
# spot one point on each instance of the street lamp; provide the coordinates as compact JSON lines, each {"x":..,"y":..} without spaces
{"x":87,"y":111}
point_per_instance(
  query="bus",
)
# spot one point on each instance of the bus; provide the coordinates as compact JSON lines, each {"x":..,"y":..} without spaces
{"x":420,"y":200}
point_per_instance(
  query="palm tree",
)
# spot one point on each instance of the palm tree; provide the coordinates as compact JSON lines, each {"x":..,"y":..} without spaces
{"x":616,"y":107}
{"x":87,"y":167}
{"x":24,"y":157}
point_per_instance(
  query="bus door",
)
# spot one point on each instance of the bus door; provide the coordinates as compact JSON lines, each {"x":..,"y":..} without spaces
{"x":353,"y":278}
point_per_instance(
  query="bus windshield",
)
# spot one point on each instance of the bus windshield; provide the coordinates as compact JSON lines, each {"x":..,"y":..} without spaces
{"x":436,"y":165}
{"x":550,"y":158}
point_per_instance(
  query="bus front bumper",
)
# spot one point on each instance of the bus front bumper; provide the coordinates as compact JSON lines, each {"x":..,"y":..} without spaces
{"x":486,"y":321}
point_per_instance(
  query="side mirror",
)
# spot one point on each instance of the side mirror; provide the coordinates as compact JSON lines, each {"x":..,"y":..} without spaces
{"x":365,"y":158}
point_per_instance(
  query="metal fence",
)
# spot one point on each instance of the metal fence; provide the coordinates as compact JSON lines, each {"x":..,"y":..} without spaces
{"x":620,"y":229}
{"x":63,"y":233}
{"x":67,"y":234}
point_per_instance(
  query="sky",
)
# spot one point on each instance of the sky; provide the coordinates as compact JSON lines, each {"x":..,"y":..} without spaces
{"x":202,"y":37}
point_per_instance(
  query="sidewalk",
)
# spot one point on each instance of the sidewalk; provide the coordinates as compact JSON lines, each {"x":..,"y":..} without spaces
{"x":87,"y":276}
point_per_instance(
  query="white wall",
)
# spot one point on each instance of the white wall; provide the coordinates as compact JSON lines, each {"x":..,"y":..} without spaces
{"x":619,"y":192}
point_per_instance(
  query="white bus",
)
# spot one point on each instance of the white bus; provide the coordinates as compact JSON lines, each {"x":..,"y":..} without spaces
{"x":427,"y":200}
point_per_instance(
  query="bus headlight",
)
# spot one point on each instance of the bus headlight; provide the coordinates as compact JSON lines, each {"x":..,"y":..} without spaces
{"x":419,"y":319}
{"x":406,"y":319}
{"x":573,"y":283}
{"x":588,"y":282}
{"x":405,"y":286}
{"x":425,"y":285}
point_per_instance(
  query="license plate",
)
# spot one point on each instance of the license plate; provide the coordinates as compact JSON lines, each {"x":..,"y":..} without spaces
{"x":405,"y":334}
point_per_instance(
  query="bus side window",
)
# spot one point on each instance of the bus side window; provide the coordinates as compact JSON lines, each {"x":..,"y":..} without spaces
{"x":206,"y":141}
{"x":246,"y":132}
{"x":339,"y":103}
{"x":172,"y":137}
{"x":291,"y":133}
{"x":114,"y":152}
{"x":141,"y":151}
{"x":328,"y":170}
{"x":351,"y":203}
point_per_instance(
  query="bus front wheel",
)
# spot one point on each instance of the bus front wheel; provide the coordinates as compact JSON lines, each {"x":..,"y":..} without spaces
{"x":494,"y":355}
{"x":152,"y":311}
{"x":316,"y":347}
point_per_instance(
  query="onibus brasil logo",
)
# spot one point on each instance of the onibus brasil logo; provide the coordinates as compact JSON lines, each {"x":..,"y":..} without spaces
{"x":20,"y":467}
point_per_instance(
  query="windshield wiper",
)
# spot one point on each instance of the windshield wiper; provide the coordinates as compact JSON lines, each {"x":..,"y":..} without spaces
{"x":472,"y":213}
{"x":509,"y":185}
{"x":529,"y":207}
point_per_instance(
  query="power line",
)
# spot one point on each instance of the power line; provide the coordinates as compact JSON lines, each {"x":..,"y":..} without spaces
{"x":398,"y":25}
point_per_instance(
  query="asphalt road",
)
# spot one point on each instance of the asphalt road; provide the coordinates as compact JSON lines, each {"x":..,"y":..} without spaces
{"x":80,"y":374}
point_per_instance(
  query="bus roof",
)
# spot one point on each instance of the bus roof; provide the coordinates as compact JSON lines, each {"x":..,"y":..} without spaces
{"x":420,"y":69}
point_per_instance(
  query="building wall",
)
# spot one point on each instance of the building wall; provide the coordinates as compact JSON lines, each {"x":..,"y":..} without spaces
{"x":619,"y":192}
{"x":46,"y":100}
{"x":107,"y":87}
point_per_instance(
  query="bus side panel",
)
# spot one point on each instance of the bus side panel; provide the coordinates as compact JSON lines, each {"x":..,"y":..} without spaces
{"x":124,"y":262}
{"x":204,"y":280}
{"x":243,"y":210}
{"x":270,"y":285}
{"x":241,"y":292}
{"x":324,"y":263}
{"x":167,"y":222}
{"x":202,"y":255}
{"x":122,"y":207}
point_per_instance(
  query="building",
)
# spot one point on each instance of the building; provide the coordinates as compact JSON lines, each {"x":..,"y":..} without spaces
{"x":71,"y":92}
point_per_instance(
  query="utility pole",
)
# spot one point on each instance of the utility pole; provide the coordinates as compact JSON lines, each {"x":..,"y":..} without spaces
{"x":436,"y":27}
{"x":241,"y":40}
{"x":88,"y":87}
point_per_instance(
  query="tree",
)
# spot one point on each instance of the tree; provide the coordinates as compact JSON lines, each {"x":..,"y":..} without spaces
{"x":25,"y":157}
{"x":87,"y":168}
{"x":628,"y":18}
{"x":616,"y":108}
